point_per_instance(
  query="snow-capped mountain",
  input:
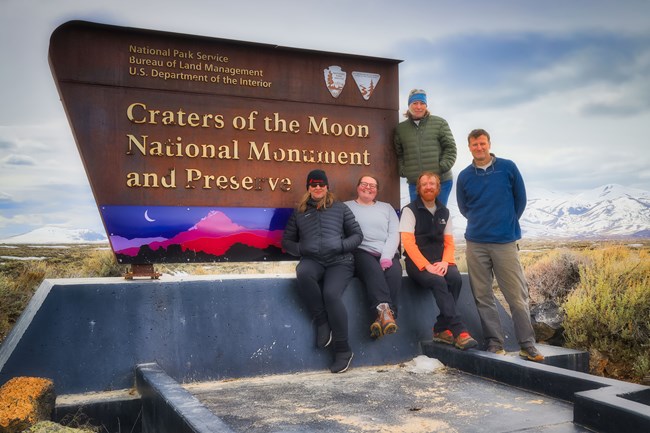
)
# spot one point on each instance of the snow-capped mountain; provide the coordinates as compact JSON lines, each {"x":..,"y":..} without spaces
{"x":57,"y":235}
{"x":609,"y":211}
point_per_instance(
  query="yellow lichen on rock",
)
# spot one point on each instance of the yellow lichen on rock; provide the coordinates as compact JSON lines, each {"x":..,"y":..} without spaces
{"x":24,"y":401}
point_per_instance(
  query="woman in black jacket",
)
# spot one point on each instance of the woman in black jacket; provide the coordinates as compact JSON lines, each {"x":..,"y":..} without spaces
{"x":323,"y":233}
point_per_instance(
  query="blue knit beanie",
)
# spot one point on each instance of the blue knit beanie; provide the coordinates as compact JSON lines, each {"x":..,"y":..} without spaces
{"x":417,"y":95}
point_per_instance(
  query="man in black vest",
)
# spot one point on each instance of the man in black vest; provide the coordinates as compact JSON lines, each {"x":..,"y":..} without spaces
{"x":428,"y":242}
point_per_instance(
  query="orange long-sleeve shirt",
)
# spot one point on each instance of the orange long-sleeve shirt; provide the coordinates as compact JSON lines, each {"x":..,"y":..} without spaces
{"x":411,"y":248}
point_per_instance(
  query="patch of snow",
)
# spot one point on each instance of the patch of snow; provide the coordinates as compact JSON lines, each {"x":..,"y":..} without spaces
{"x":423,"y":364}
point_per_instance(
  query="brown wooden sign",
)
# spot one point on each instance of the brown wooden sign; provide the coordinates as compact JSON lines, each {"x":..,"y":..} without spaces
{"x":178,"y":130}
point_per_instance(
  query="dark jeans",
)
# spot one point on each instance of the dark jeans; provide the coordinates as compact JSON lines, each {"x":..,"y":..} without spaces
{"x":322,"y":288}
{"x":381,"y":286}
{"x":445,"y":291}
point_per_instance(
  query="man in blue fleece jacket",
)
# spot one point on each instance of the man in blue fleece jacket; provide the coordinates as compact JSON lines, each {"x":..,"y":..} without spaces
{"x":492,"y":196}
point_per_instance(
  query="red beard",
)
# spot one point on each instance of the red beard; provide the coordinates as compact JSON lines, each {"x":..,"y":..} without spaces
{"x":429,"y":195}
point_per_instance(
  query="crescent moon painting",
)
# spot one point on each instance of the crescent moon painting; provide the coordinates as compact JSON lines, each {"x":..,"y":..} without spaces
{"x":147,"y":217}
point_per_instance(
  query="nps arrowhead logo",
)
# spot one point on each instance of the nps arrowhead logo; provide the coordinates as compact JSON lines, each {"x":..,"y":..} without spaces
{"x":335,"y":80}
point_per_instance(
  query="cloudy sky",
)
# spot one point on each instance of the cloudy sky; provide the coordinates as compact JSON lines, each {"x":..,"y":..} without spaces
{"x":562,"y":86}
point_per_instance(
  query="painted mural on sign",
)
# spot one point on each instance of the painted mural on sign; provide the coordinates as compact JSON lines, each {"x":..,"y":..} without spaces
{"x":175,"y":234}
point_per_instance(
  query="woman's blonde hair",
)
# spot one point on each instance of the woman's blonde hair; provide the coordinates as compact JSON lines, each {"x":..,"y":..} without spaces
{"x":325,"y":202}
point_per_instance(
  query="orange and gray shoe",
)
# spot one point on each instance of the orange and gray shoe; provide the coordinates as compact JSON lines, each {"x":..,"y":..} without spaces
{"x":443,"y":337}
{"x":465,"y":341}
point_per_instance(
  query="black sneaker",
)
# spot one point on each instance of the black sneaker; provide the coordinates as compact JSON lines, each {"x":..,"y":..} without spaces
{"x":342,"y":362}
{"x":323,"y":335}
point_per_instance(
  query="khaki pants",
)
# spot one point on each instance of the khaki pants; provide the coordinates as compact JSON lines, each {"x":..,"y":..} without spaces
{"x":485,"y":261}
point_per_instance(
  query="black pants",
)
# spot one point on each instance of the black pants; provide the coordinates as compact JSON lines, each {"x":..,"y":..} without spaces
{"x":322,"y":288}
{"x":445,"y":291}
{"x":381,"y":286}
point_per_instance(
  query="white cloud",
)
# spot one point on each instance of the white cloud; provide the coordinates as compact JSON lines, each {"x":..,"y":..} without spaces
{"x":18,"y":160}
{"x":563,"y":86}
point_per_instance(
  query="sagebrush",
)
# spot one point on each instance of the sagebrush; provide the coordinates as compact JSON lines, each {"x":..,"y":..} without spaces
{"x":608,"y":313}
{"x":554,"y":276}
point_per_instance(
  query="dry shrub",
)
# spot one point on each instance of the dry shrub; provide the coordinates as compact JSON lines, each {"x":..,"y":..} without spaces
{"x":101,"y":263}
{"x":18,"y":287}
{"x":32,"y":275}
{"x":12,"y":303}
{"x":554,"y":276}
{"x":609,"y":311}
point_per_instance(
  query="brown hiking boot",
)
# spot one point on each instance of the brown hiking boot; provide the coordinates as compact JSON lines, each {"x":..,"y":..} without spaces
{"x":386,"y":319}
{"x":375,"y":329}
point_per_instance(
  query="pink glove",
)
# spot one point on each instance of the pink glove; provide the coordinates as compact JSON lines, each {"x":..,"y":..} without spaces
{"x":385,"y":263}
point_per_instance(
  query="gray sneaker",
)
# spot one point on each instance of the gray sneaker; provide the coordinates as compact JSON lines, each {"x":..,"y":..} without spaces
{"x":496,"y":349}
{"x":531,"y":353}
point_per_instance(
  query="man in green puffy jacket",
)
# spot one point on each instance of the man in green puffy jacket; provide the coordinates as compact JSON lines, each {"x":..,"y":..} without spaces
{"x":424,"y":142}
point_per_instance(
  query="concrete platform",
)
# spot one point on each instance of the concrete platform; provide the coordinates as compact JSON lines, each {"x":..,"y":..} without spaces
{"x":382,"y":399}
{"x":93,"y":336}
{"x":481,"y":386}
